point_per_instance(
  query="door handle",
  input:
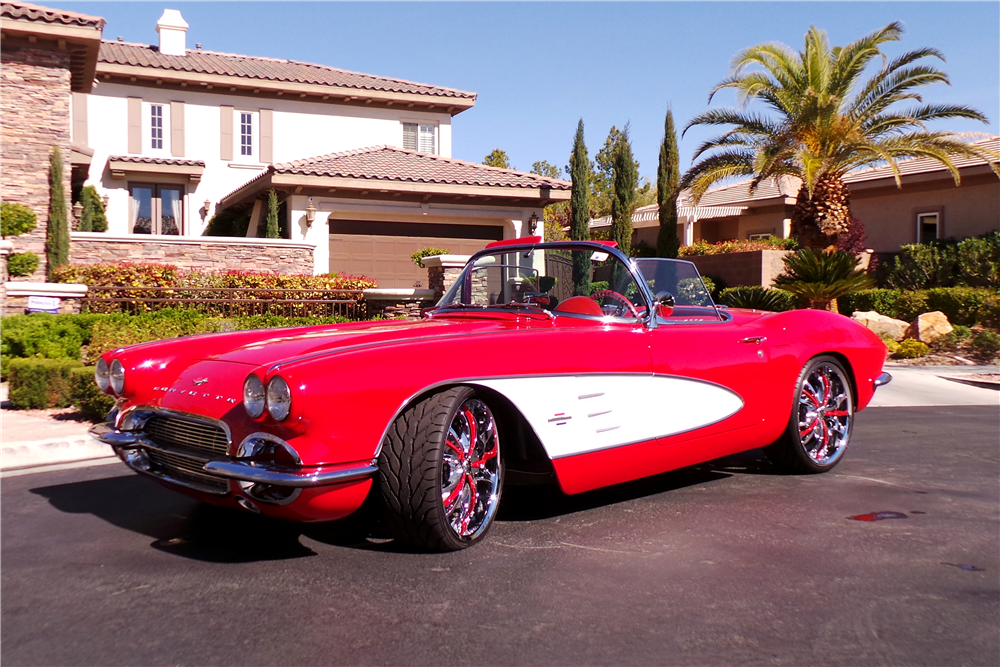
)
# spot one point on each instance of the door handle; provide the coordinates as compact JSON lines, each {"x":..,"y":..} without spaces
{"x":754,"y":339}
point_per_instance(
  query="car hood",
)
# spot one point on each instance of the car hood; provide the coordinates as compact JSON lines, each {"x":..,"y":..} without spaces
{"x":284,"y":345}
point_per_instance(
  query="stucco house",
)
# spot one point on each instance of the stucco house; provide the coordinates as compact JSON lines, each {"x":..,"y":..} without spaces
{"x":928,"y":206}
{"x":172,"y":135}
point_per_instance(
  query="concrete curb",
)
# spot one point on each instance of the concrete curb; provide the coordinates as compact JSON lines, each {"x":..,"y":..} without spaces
{"x":15,"y":455}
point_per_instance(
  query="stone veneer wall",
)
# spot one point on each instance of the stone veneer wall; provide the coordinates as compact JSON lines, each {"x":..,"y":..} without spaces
{"x":203,"y":253}
{"x":34,"y":117}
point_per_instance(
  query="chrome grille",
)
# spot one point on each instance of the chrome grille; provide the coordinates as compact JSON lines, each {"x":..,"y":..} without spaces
{"x":186,"y":469}
{"x":172,"y":432}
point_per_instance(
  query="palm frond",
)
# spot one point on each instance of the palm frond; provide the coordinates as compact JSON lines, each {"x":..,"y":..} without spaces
{"x":822,"y":276}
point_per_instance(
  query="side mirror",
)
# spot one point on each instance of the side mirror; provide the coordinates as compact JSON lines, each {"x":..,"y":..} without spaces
{"x":664,"y":304}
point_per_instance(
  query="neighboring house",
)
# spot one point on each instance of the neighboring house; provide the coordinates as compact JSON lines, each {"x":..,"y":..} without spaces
{"x":46,"y":56}
{"x":928,"y":206}
{"x":172,"y":136}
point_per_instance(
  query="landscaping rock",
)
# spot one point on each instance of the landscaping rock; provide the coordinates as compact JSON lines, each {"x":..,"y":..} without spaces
{"x":881,"y":324}
{"x":929,"y":326}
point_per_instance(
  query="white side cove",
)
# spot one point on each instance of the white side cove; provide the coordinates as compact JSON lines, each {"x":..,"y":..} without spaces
{"x":576,"y":414}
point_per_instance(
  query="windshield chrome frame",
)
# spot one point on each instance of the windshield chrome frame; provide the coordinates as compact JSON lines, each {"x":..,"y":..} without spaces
{"x":649,"y":319}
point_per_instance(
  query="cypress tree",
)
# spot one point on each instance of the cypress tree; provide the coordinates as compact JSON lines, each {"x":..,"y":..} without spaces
{"x":57,"y":235}
{"x":579,"y":168}
{"x":626,"y":180}
{"x":667,"y":179}
{"x":273,"y":230}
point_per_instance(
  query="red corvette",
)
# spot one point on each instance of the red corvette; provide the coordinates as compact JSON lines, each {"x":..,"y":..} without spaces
{"x":564,"y":362}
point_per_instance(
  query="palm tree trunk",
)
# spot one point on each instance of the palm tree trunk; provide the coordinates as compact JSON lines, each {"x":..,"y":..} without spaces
{"x":818,"y":220}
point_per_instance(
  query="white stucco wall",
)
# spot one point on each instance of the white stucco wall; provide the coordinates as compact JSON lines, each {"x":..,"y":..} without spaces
{"x":300,"y":130}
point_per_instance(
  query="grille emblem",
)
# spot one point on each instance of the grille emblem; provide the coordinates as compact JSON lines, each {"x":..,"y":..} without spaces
{"x":200,"y":381}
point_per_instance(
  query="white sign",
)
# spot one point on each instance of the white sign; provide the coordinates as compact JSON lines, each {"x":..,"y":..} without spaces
{"x":43,"y":304}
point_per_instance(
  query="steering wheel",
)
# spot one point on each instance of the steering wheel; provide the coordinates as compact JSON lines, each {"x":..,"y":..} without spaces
{"x":626,"y":305}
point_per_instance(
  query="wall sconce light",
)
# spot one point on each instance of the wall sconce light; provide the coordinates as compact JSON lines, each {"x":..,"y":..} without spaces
{"x":533,"y":224}
{"x":208,"y":206}
{"x":105,"y":199}
{"x":77,"y":211}
{"x":310,"y":213}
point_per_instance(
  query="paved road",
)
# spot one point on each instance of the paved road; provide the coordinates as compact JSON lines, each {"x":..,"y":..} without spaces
{"x":716,"y":565}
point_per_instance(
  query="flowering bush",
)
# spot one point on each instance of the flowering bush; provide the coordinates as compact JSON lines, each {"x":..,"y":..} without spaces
{"x":726,"y":247}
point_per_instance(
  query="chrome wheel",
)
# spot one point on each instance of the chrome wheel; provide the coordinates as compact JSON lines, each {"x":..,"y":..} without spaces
{"x":825,"y":413}
{"x":470,"y":476}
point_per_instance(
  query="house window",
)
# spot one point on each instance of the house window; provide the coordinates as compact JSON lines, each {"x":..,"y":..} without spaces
{"x":246,"y":133}
{"x":157,"y":120}
{"x":156,"y":209}
{"x":421,"y":137}
{"x":928,"y":227}
{"x":759,"y":237}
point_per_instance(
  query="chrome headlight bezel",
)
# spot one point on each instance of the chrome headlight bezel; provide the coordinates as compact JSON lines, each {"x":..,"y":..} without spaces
{"x":279,"y":398}
{"x":117,"y":377}
{"x":102,"y":375}
{"x":254,"y":396}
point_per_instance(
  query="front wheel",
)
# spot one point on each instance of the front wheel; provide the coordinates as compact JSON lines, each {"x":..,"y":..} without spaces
{"x":440,"y":472}
{"x":819,"y":428}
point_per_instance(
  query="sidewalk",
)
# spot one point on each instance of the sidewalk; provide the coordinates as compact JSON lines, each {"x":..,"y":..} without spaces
{"x":32,"y":438}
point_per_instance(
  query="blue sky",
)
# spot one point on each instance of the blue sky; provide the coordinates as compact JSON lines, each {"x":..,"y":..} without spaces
{"x":539,"y":67}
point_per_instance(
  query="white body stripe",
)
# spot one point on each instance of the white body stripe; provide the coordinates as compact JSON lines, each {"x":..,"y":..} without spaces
{"x":575,"y":414}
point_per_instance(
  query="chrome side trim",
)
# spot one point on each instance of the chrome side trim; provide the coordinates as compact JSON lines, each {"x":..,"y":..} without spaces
{"x":302,"y":478}
{"x":882,"y":380}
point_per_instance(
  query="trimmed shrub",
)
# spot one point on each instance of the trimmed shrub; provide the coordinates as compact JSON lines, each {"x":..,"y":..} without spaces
{"x":21,"y":264}
{"x":726,"y":247}
{"x":985,"y":344}
{"x":972,"y":262}
{"x":962,"y":305}
{"x":418,"y":256}
{"x":86,"y":397}
{"x":911,"y":349}
{"x":43,"y":336}
{"x":758,"y":298}
{"x":16,"y":219}
{"x":40,"y":383}
{"x":92,"y":219}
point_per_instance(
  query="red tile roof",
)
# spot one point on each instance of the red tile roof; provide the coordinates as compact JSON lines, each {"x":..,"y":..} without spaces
{"x":25,"y":10}
{"x":265,"y":69}
{"x":136,"y":159}
{"x":396,"y":164}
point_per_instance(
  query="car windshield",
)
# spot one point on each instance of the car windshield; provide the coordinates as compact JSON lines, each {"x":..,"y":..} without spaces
{"x":681,"y":280}
{"x":541,"y":278}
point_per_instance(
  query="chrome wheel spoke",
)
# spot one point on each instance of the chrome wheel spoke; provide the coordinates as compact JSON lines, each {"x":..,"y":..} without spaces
{"x":470,"y":480}
{"x":825,"y":414}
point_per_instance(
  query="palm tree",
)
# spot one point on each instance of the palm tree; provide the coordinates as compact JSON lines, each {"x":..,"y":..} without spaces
{"x":826,"y":121}
{"x":820,"y":278}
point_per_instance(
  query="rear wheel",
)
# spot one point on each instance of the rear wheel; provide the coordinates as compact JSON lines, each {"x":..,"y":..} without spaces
{"x":440,"y":472}
{"x":819,"y":428}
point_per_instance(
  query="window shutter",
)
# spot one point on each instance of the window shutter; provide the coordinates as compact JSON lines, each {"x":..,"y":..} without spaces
{"x":226,"y":133}
{"x":177,"y":129}
{"x":266,"y":136}
{"x":80,"y":130}
{"x":410,"y":136}
{"x":135,"y":125}
{"x":427,"y":144}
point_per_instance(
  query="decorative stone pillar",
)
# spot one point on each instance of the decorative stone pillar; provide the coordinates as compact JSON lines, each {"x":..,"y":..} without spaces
{"x":398,"y":303}
{"x":442,"y":272}
{"x":19,"y":296}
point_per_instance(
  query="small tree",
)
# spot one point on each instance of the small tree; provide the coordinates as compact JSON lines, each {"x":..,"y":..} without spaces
{"x":579,"y":167}
{"x":497,"y":158}
{"x":57,"y":238}
{"x":626,"y":179}
{"x":273,"y":229}
{"x":543,"y":168}
{"x":667,"y":179}
{"x":92,"y":219}
{"x":819,"y":278}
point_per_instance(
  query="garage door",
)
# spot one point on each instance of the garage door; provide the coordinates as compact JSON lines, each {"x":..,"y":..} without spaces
{"x":381,"y":250}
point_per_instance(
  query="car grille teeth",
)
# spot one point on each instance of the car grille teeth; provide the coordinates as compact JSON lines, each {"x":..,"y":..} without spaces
{"x":172,"y":433}
{"x":186,"y":469}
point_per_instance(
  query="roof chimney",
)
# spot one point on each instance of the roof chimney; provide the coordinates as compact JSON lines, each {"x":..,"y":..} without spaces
{"x":173,"y":31}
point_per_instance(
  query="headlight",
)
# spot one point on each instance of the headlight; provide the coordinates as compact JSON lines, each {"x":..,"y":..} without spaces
{"x":117,"y":377}
{"x":279,"y":398}
{"x":253,"y":396}
{"x":101,"y":375}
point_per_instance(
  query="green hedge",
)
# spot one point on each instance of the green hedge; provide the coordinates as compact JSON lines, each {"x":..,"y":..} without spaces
{"x":41,"y":383}
{"x":86,"y":397}
{"x":972,"y":262}
{"x":962,"y":305}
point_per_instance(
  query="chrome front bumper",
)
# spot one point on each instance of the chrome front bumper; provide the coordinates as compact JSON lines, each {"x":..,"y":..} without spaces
{"x":254,"y":472}
{"x":882,"y":380}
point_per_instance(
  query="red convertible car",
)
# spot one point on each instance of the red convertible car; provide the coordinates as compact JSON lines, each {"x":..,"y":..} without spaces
{"x":565,"y":362}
